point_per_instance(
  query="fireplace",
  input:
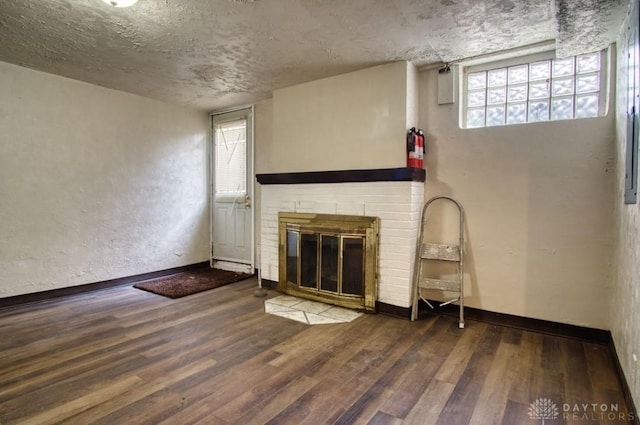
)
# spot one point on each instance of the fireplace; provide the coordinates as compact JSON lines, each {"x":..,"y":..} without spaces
{"x":394,"y":195}
{"x":331,"y":258}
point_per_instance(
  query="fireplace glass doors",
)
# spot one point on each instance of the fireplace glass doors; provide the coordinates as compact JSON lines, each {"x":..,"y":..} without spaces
{"x":330,"y":258}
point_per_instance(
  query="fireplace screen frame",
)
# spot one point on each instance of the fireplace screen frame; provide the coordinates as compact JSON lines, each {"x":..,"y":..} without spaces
{"x":330,"y":225}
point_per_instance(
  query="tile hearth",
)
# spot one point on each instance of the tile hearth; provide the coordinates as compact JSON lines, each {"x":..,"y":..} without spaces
{"x":309,"y":312}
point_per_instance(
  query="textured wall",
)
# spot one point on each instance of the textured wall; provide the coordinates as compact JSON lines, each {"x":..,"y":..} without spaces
{"x":625,"y":303}
{"x":539,"y":202}
{"x":95,"y":184}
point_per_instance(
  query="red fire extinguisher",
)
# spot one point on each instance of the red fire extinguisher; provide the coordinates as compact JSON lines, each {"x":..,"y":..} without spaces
{"x":415,"y":148}
{"x":412,"y":139}
{"x":420,"y":149}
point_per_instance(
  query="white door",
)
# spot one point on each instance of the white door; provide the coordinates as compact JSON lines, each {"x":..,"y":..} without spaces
{"x":232,"y":197}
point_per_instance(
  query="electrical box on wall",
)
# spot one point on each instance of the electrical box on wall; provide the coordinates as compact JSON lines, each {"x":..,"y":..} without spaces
{"x":446,"y":85}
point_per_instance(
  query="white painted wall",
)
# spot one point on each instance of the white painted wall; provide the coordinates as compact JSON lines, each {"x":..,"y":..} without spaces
{"x":262,"y":142}
{"x":538,"y":199}
{"x":625,"y":299}
{"x":352,"y":121}
{"x":95,"y":184}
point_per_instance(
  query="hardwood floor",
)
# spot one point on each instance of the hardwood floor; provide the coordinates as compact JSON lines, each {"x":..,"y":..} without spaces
{"x":124,"y":356}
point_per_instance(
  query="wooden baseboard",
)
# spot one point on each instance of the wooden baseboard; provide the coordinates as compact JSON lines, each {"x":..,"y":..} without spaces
{"x":626,"y":390}
{"x":270,"y":284}
{"x":393,"y":310}
{"x":598,"y":336}
{"x":582,"y":333}
{"x":72,"y":290}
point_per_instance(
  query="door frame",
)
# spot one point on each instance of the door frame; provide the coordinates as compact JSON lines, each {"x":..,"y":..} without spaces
{"x":250,"y":183}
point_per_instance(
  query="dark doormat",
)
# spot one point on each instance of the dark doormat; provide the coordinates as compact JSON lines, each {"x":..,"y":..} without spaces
{"x":189,"y":283}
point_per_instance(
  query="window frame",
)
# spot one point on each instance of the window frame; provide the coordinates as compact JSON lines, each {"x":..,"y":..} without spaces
{"x":231,"y":196}
{"x":603,"y":106}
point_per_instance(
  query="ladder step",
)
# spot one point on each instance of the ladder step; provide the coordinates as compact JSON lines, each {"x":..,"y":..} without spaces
{"x":435,"y":251}
{"x":440,"y":284}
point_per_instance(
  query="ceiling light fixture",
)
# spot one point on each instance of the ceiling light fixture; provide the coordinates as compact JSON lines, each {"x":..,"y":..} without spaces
{"x":120,"y":3}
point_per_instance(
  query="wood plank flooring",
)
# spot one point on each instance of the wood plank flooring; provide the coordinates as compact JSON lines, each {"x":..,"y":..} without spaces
{"x":124,"y":356}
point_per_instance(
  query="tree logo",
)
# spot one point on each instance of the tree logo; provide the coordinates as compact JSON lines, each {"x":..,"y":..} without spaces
{"x":543,"y":408}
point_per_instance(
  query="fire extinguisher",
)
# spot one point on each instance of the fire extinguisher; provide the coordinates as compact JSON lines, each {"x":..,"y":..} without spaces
{"x":412,"y":139}
{"x":415,"y":148}
{"x":421,"y":149}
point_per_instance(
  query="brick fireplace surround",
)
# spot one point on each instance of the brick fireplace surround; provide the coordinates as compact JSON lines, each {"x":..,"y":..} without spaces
{"x":394,"y":195}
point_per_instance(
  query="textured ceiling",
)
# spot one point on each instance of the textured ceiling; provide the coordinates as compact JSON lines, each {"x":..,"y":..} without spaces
{"x":213,"y":54}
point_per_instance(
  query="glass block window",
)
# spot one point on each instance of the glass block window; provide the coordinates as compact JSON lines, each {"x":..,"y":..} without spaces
{"x":544,"y":90}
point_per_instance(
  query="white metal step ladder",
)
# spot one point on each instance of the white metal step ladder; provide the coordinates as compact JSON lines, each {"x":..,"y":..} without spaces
{"x":438,"y":252}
